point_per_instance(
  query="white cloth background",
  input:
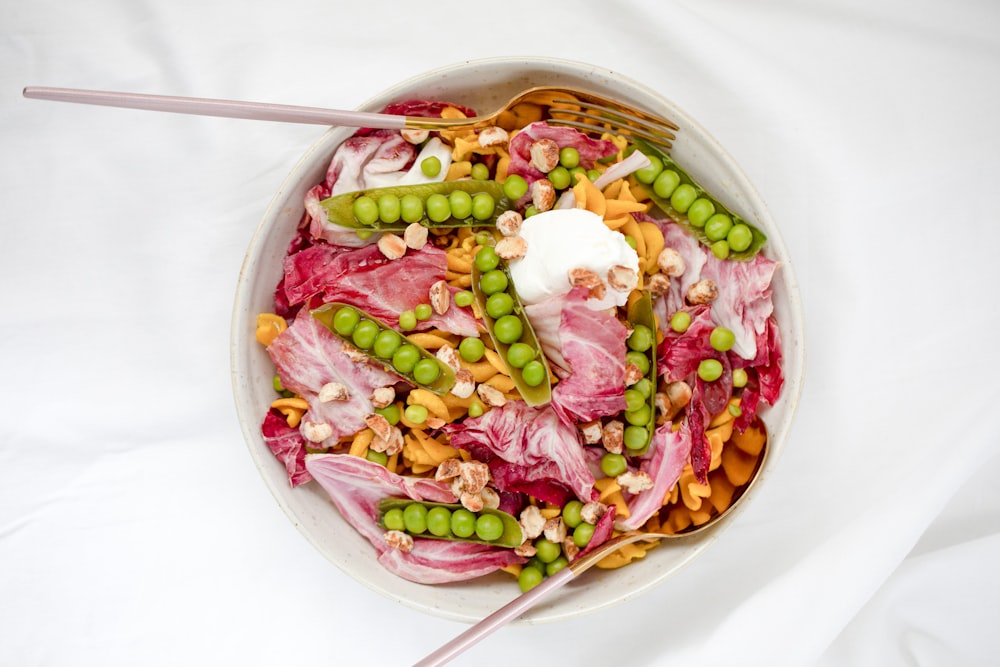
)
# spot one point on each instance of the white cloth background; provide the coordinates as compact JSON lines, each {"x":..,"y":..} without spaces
{"x":134,"y":528}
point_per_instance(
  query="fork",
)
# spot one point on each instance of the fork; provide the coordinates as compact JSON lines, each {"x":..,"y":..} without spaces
{"x":582,"y":110}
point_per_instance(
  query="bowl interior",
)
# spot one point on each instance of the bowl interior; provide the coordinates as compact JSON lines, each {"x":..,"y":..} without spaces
{"x":484,"y":85}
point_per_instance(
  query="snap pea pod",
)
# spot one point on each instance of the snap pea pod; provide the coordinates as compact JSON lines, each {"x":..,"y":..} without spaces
{"x":385,"y":346}
{"x":467,"y":203}
{"x":446,"y":521}
{"x":671,"y":188}
{"x":641,"y":419}
{"x":509,"y":328}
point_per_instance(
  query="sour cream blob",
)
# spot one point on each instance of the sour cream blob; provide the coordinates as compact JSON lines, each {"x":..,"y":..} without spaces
{"x":563,"y":239}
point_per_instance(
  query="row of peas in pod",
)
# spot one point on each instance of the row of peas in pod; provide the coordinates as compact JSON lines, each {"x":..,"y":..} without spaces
{"x":450,"y":522}
{"x":676,"y":193}
{"x":508,"y":326}
{"x":386,"y":346}
{"x":551,"y":557}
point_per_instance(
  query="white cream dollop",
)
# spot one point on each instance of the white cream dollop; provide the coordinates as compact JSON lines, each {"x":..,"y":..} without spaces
{"x":564,"y":239}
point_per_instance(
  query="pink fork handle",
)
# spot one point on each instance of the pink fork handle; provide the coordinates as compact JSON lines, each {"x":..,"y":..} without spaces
{"x":497,"y":619}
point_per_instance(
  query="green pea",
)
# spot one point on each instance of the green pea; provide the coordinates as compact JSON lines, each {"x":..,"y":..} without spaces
{"x":666,"y":183}
{"x":641,"y":338}
{"x":739,"y":377}
{"x":493,"y":281}
{"x":740,"y":237}
{"x":393,"y":519}
{"x":484,"y":238}
{"x":386,"y":343}
{"x":533,"y":373}
{"x":483,"y":206}
{"x":520,"y":354}
{"x":717,"y":227}
{"x":569,"y":157}
{"x":475,"y":409}
{"x":582,"y":534}
{"x":556,"y":565}
{"x":529,"y":577}
{"x":639,"y":416}
{"x":438,"y":208}
{"x":638,"y":359}
{"x":574,"y":172}
{"x":461,"y":204}
{"x":415,"y":414}
{"x":720,"y":249}
{"x":463,"y":523}
{"x":411,"y":208}
{"x":700,"y":211}
{"x":345,"y":320}
{"x":426,"y":371}
{"x":480,"y":172}
{"x":487,"y":259}
{"x":364,"y":334}
{"x":710,"y":370}
{"x":631,"y":241}
{"x":735,"y":410}
{"x":388,"y":208}
{"x":683,"y":196}
{"x":547,"y":551}
{"x":722,"y":339}
{"x":471,"y":349}
{"x":634,"y":399}
{"x":276,"y":383}
{"x":508,"y":329}
{"x":593,"y":174}
{"x":488,"y":527}
{"x":499,"y":304}
{"x":405,"y":358}
{"x":363,"y":234}
{"x":613,"y":465}
{"x":515,"y":187}
{"x":464,"y":298}
{"x":407,"y":320}
{"x":376,"y":457}
{"x":439,"y":520}
{"x":365,"y":210}
{"x":648,"y":174}
{"x":431,"y":166}
{"x":571,"y":513}
{"x":415,"y":518}
{"x":680,"y":321}
{"x":559,"y":178}
{"x":530,"y":211}
{"x":390,"y":412}
{"x":635,"y":437}
{"x":643,"y":387}
{"x":423,"y":311}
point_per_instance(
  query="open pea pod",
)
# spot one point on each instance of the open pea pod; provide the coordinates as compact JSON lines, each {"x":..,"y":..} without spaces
{"x":693,"y":223}
{"x":342,"y":210}
{"x":510,"y":535}
{"x":414,"y":363}
{"x":640,"y":314}
{"x":535,"y":385}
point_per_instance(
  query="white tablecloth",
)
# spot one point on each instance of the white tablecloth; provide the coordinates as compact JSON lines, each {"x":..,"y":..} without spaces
{"x":134,"y":528}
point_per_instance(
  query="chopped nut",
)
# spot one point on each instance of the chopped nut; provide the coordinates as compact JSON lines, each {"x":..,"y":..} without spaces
{"x":663,"y":410}
{"x":632,"y":374}
{"x":671,"y":262}
{"x":635,"y":482}
{"x":509,"y":222}
{"x":392,"y":246}
{"x":354,"y":354}
{"x":555,"y":529}
{"x":447,"y":469}
{"x":657,"y":284}
{"x":471,"y":501}
{"x":475,"y":475}
{"x":397,"y":539}
{"x":532,"y":522}
{"x":440,"y":297}
{"x":591,"y":432}
{"x":592,"y":512}
{"x":491,"y":499}
{"x":526,"y":550}
{"x":391,"y":444}
{"x":581,"y":277}
{"x":414,"y":135}
{"x":316,"y":432}
{"x":491,"y":396}
{"x":703,"y":291}
{"x":613,"y":436}
{"x":570,"y":548}
{"x":382,"y":397}
{"x":543,"y":195}
{"x":678,"y":395}
{"x":544,"y":155}
{"x":493,"y":136}
{"x":622,"y":279}
{"x":415,"y":236}
{"x":465,"y":383}
{"x":333,"y":391}
{"x":380,"y":425}
{"x":511,"y":247}
{"x":449,"y":357}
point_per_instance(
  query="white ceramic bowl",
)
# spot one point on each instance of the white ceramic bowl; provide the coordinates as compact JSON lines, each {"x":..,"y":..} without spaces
{"x":484,"y":85}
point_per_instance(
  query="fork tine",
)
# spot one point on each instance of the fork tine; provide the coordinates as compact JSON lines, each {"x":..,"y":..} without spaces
{"x":595,"y":117}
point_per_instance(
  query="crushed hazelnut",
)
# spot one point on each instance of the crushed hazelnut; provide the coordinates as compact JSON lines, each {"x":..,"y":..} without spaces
{"x":570,"y":548}
{"x":581,"y":277}
{"x":492,"y":136}
{"x":354,"y":354}
{"x":447,"y":469}
{"x":544,"y":155}
{"x":316,"y":432}
{"x":532,"y":522}
{"x":613,"y":436}
{"x":703,"y":291}
{"x":679,"y":395}
{"x":635,"y":482}
{"x":592,"y":512}
{"x":543,"y":195}
{"x":555,"y":529}
{"x":491,"y":396}
{"x":474,"y":475}
{"x":449,"y":357}
{"x":657,"y":284}
{"x":382,"y":397}
{"x":509,"y":222}
{"x":622,"y":279}
{"x":591,"y":432}
{"x":465,"y":383}
{"x":671,"y":262}
{"x":391,"y":444}
{"x":414,"y":135}
{"x":440,"y":297}
{"x":491,"y":499}
{"x":380,"y":425}
{"x":392,"y":246}
{"x":333,"y":391}
{"x":397,"y":539}
{"x":526,"y":550}
{"x":632,"y":374}
{"x":415,"y":236}
{"x":663,"y":410}
{"x":511,"y":247}
{"x":471,"y":501}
